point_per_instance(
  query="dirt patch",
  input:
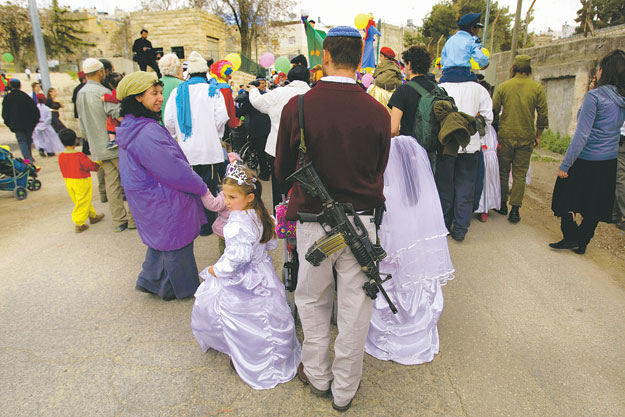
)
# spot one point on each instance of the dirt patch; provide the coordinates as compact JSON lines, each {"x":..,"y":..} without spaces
{"x":608,"y":245}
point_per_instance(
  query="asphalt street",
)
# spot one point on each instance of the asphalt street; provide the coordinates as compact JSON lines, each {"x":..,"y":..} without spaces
{"x":526,"y":331}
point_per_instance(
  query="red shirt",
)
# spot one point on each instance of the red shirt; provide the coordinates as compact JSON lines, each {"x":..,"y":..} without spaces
{"x":348,"y":135}
{"x":76,"y":165}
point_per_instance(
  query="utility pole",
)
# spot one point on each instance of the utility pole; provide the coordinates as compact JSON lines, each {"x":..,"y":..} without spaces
{"x":515,"y":33}
{"x":39,"y":45}
{"x":527,"y":23}
{"x":485,"y":35}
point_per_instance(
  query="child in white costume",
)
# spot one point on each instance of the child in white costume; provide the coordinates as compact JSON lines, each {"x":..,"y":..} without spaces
{"x":240,"y":309}
{"x":491,"y":193}
{"x":413,"y":233}
{"x":45,"y":139}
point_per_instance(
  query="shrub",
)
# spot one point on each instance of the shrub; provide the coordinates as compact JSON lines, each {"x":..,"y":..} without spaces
{"x":554,"y":142}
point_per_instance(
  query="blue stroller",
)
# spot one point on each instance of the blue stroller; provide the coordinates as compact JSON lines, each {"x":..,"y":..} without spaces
{"x":17,"y":175}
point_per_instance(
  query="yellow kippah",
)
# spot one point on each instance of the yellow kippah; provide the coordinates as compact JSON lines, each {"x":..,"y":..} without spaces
{"x":135,"y":83}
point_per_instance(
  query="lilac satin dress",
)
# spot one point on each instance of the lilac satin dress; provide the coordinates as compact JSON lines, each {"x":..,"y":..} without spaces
{"x":242,"y":312}
{"x":413,"y":233}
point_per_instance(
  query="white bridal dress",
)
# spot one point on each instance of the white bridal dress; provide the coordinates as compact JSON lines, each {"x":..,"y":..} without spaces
{"x":491,"y":194}
{"x":242,"y":312}
{"x":44,"y":136}
{"x":413,"y":233}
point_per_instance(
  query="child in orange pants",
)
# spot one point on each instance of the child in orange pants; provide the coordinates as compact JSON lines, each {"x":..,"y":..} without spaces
{"x":76,"y":169}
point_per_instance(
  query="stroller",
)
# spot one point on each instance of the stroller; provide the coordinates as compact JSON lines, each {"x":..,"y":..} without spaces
{"x":17,"y":174}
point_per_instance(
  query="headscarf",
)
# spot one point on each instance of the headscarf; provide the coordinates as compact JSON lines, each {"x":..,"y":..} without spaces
{"x":135,"y":83}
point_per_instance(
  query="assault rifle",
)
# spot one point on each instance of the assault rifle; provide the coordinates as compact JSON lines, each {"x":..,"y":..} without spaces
{"x":340,"y":232}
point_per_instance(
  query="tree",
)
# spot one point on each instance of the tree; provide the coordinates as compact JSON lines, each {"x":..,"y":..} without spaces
{"x":165,"y":4}
{"x":252,"y":15}
{"x":602,"y":14}
{"x":442,"y":20}
{"x":62,"y":32}
{"x":16,"y":33}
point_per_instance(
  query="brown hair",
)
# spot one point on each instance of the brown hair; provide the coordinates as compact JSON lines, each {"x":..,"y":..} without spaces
{"x":269,"y":227}
{"x":346,"y":52}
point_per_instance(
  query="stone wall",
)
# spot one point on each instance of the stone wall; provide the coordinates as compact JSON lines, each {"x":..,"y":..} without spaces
{"x":393,"y":37}
{"x":195,"y":30}
{"x":565,"y":69}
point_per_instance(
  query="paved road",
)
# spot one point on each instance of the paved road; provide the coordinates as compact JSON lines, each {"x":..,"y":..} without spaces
{"x":525,"y":331}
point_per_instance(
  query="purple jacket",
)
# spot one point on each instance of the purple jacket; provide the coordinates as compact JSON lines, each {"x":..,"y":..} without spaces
{"x":162,"y":190}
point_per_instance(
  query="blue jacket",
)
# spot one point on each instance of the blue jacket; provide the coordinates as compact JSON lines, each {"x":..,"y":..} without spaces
{"x":598,"y":130}
{"x":162,"y":190}
{"x":460,"y":48}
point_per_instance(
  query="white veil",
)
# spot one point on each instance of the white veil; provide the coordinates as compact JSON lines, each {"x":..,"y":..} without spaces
{"x":413,"y":231}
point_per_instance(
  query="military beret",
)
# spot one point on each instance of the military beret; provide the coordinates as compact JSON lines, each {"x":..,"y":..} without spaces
{"x":522,"y":62}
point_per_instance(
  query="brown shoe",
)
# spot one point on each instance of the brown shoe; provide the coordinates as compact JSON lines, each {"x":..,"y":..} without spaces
{"x":82,"y":228}
{"x":302,"y":377}
{"x":96,"y":218}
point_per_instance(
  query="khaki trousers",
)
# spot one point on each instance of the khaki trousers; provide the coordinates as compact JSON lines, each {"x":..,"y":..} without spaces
{"x":119,"y":214}
{"x":314,"y":297}
{"x":516,"y":154}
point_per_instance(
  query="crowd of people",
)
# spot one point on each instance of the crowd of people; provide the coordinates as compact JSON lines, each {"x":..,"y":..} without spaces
{"x":429,"y":154}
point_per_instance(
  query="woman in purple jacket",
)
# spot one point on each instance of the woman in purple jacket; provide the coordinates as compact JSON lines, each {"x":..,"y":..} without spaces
{"x":586,"y":181}
{"x":162,"y":190}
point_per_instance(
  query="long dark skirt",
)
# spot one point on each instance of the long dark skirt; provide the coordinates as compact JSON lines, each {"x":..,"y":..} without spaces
{"x":170,"y":274}
{"x":589,"y":190}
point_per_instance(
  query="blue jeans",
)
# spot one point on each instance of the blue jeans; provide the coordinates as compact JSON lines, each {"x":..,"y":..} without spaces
{"x":25,"y":141}
{"x":455,"y":180}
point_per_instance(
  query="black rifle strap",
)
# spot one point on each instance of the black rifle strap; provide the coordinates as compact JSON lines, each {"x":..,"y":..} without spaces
{"x":302,"y":142}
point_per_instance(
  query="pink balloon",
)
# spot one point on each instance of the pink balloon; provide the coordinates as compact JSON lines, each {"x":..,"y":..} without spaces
{"x":267,"y":59}
{"x":367,"y":79}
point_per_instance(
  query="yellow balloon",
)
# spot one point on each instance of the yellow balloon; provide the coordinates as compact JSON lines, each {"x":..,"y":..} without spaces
{"x":235,"y":60}
{"x":361,"y":21}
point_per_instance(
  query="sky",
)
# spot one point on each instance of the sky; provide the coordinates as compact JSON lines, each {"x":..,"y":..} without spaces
{"x":547,"y":13}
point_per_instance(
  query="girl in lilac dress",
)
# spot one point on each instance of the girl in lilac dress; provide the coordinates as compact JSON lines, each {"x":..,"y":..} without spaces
{"x":240,"y":309}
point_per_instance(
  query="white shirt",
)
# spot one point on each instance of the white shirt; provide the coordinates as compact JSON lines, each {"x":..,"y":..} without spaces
{"x":338,"y":79}
{"x":471,"y":98}
{"x":208,"y":115}
{"x":272,"y":103}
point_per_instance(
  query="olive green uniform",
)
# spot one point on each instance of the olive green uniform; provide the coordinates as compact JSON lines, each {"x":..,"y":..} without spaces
{"x":522,"y":98}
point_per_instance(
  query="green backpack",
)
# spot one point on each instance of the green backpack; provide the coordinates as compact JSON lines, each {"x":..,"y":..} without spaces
{"x":426,"y":127}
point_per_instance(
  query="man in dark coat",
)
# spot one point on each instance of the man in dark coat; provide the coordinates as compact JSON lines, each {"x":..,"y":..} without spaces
{"x":258,"y":126}
{"x":144,"y":53}
{"x":21,"y":115}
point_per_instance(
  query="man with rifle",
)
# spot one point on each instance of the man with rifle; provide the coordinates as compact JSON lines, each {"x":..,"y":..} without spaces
{"x":347,"y":141}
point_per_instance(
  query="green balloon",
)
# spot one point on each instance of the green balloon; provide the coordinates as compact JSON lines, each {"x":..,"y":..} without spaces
{"x":7,"y":57}
{"x":282,"y":64}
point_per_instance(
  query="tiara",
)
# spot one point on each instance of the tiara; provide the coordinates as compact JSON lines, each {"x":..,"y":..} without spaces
{"x":236,"y":171}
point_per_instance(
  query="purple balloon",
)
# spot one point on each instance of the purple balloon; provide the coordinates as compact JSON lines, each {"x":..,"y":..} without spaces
{"x":367,"y":79}
{"x":267,"y":59}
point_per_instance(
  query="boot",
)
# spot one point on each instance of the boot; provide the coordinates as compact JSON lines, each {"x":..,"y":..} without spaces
{"x":504,"y":209}
{"x":514,"y":216}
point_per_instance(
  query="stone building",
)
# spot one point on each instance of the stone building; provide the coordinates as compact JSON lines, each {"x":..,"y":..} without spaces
{"x":193,"y":29}
{"x":565,"y":68}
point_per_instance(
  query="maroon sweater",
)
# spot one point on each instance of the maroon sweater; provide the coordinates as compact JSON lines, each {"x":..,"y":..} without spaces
{"x":348,"y":135}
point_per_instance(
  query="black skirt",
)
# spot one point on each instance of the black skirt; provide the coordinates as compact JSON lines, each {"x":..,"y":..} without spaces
{"x":589,"y":190}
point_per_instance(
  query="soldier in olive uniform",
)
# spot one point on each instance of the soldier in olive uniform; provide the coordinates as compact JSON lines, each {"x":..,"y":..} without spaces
{"x":522,"y":99}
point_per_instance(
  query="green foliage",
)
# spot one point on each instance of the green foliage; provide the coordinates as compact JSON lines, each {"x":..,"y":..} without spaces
{"x":62,"y":32}
{"x":554,"y":142}
{"x":603,"y":13}
{"x":72,"y":74}
{"x":442,"y":20}
{"x":412,"y":39}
